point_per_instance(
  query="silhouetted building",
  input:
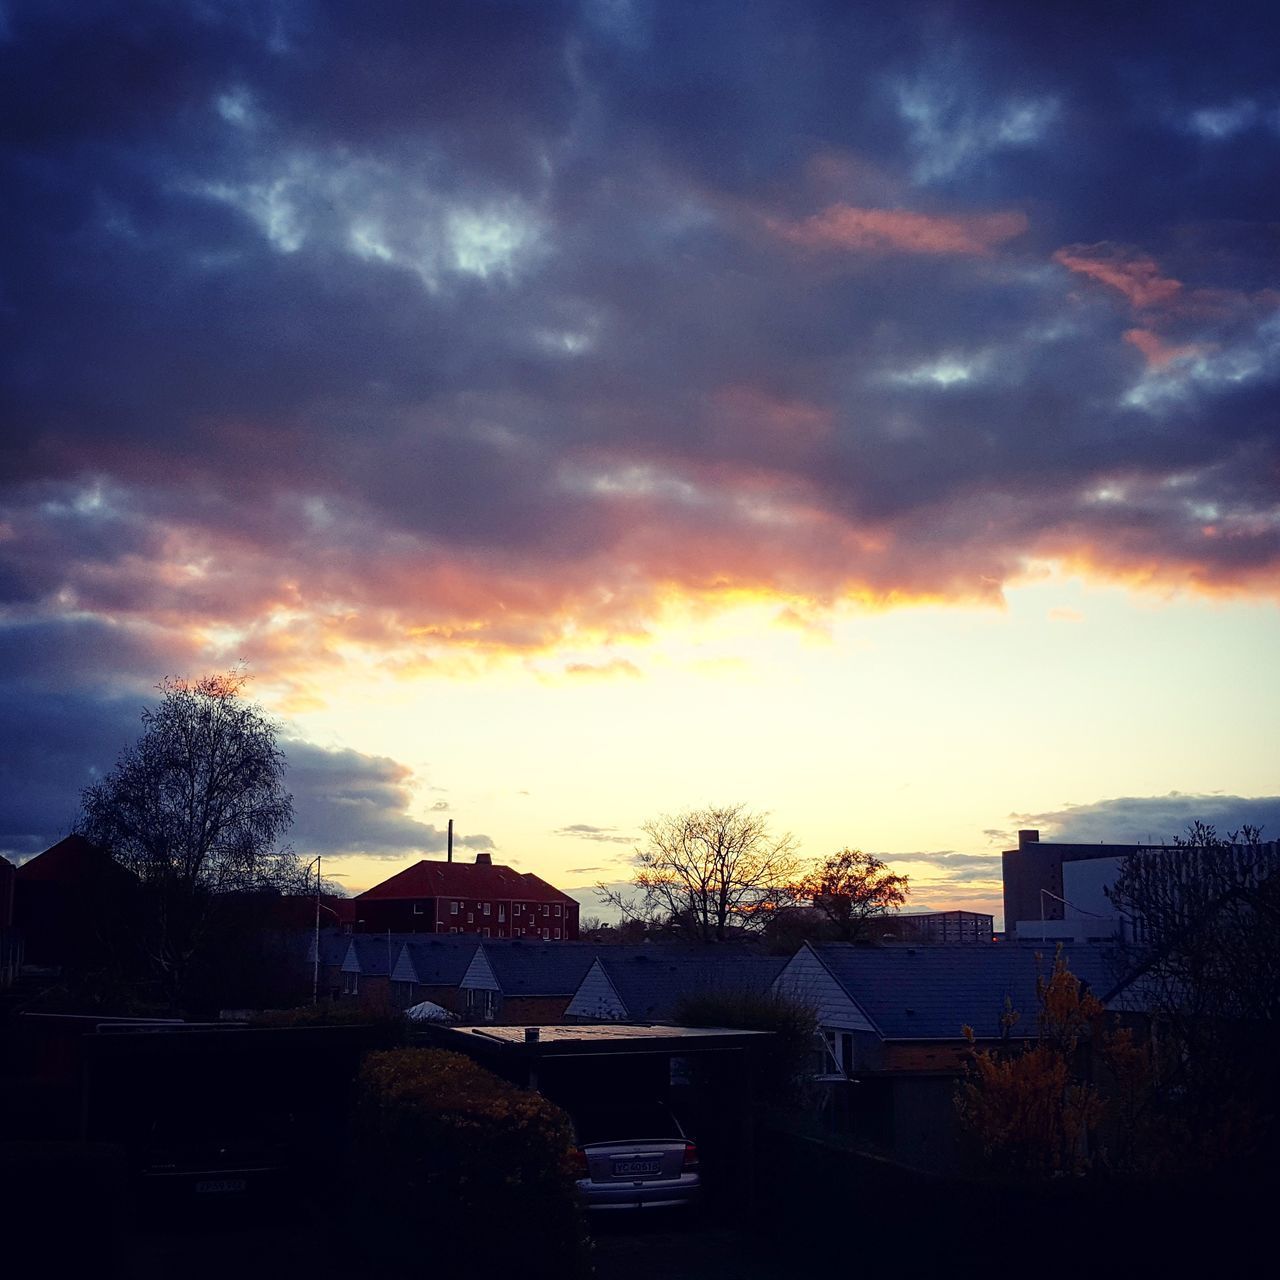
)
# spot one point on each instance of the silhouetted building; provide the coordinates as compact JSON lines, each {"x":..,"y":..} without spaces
{"x":648,"y":983}
{"x":10,"y":938}
{"x":892,"y":1019}
{"x":936,"y":926}
{"x":481,"y":897}
{"x":1052,"y":895}
{"x":69,"y":897}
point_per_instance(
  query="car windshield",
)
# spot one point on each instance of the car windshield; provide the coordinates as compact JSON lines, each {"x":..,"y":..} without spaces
{"x":624,"y":1122}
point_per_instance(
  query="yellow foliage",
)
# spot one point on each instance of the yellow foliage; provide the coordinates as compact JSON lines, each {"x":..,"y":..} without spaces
{"x":1025,"y":1108}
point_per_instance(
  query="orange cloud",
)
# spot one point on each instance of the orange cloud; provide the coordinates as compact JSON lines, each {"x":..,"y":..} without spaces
{"x":1136,"y":275}
{"x":856,"y":230}
{"x":1158,"y":352}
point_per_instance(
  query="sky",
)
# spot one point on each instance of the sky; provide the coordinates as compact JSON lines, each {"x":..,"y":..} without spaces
{"x":571,"y":413}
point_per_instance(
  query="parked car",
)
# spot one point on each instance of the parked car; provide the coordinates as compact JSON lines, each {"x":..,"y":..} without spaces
{"x":634,"y":1156}
{"x":211,"y":1152}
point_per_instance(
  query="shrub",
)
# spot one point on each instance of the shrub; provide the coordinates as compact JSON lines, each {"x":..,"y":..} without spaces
{"x":445,"y":1151}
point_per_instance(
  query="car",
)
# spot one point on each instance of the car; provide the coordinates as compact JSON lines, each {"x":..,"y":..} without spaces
{"x":633,"y":1157}
{"x":215,"y":1152}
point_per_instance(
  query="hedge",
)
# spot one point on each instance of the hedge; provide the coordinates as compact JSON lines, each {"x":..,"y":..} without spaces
{"x":452,"y":1163}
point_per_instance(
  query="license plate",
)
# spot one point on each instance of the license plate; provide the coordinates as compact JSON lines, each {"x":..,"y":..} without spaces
{"x":636,"y":1168}
{"x":219,"y":1186}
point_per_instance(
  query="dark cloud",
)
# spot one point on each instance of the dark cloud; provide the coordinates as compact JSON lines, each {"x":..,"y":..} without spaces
{"x":72,"y":694}
{"x":349,"y":803}
{"x":484,"y":322}
{"x":953,"y":868}
{"x":603,"y":835}
{"x":52,"y":746}
{"x":1154,"y":819}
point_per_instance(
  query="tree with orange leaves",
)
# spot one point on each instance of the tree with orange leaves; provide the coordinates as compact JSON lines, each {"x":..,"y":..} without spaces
{"x":1027,"y":1109}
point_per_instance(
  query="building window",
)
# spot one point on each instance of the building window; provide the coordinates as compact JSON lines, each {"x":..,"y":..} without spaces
{"x":546,"y":934}
{"x":455,"y":929}
{"x":502,"y":913}
{"x":471,"y":917}
{"x":417,"y":908}
{"x":350,"y":984}
{"x":453,"y":908}
{"x":557,"y":933}
{"x":557,"y":910}
{"x":546,"y":910}
{"x":486,"y":931}
{"x":487,"y":909}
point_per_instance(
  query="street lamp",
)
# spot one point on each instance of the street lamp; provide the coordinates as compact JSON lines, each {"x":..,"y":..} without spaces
{"x":315,"y":971}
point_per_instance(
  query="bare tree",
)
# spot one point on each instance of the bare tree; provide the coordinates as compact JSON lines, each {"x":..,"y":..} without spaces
{"x":194,"y":809}
{"x":851,"y":888}
{"x":708,"y":871}
{"x":1204,"y":944}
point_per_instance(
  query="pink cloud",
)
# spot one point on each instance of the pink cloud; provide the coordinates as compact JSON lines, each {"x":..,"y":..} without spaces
{"x":856,"y":230}
{"x":1157,"y":351}
{"x":1136,"y":275}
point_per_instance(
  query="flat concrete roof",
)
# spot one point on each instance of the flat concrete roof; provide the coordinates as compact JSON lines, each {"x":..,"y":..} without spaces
{"x":597,"y":1037}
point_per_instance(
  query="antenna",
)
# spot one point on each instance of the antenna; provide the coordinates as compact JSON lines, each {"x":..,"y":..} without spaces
{"x":450,"y":839}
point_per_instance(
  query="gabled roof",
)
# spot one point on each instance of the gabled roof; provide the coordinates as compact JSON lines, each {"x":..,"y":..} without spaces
{"x":334,"y":945}
{"x":371,"y":954}
{"x":433,"y":879}
{"x":933,"y":991}
{"x":651,"y":981}
{"x":73,"y":860}
{"x":436,"y":960}
{"x":539,"y":968}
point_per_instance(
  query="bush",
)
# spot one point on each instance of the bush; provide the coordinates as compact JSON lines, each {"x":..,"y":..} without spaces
{"x":445,"y":1152}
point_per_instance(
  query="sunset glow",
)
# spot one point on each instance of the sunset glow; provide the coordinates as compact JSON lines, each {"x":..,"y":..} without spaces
{"x":566,"y":426}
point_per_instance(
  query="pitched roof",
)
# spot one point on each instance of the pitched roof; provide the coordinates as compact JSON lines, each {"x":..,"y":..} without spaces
{"x":933,"y":991}
{"x":333,"y":946}
{"x":437,"y":960}
{"x":72,"y":860}
{"x":466,"y":880}
{"x":539,"y":968}
{"x":651,"y":981}
{"x":371,"y":954}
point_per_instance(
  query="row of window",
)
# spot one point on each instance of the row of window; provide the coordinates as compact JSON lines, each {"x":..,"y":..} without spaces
{"x":546,"y":934}
{"x":485,"y":908}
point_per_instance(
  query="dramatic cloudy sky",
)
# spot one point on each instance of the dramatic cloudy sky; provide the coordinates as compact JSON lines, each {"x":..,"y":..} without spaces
{"x":573,"y":412}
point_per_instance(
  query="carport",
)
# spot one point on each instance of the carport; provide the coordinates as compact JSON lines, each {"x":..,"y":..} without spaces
{"x":705,"y":1074}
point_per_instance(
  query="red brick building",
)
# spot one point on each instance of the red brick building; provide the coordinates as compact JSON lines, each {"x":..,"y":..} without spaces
{"x":481,"y":898}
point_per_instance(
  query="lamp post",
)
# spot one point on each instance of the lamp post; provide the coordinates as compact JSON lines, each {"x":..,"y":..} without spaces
{"x":315,"y":969}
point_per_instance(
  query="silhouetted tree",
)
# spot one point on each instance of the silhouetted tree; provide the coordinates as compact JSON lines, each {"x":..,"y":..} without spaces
{"x":850,"y":889}
{"x":707,"y":872}
{"x":1203,"y":939}
{"x":194,"y":809}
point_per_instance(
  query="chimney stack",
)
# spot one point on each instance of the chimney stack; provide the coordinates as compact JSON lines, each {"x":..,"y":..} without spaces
{"x":484,"y":859}
{"x":450,"y":839}
{"x":1028,"y":837}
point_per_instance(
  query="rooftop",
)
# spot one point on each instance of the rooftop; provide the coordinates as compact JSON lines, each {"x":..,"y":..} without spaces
{"x":932,"y":991}
{"x":434,"y":879}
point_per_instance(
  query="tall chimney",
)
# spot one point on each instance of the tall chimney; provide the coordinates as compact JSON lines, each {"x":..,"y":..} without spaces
{"x":1028,"y":837}
{"x":450,"y":839}
{"x":484,"y":859}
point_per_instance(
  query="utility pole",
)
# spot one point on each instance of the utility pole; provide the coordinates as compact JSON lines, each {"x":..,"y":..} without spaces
{"x":315,"y":971}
